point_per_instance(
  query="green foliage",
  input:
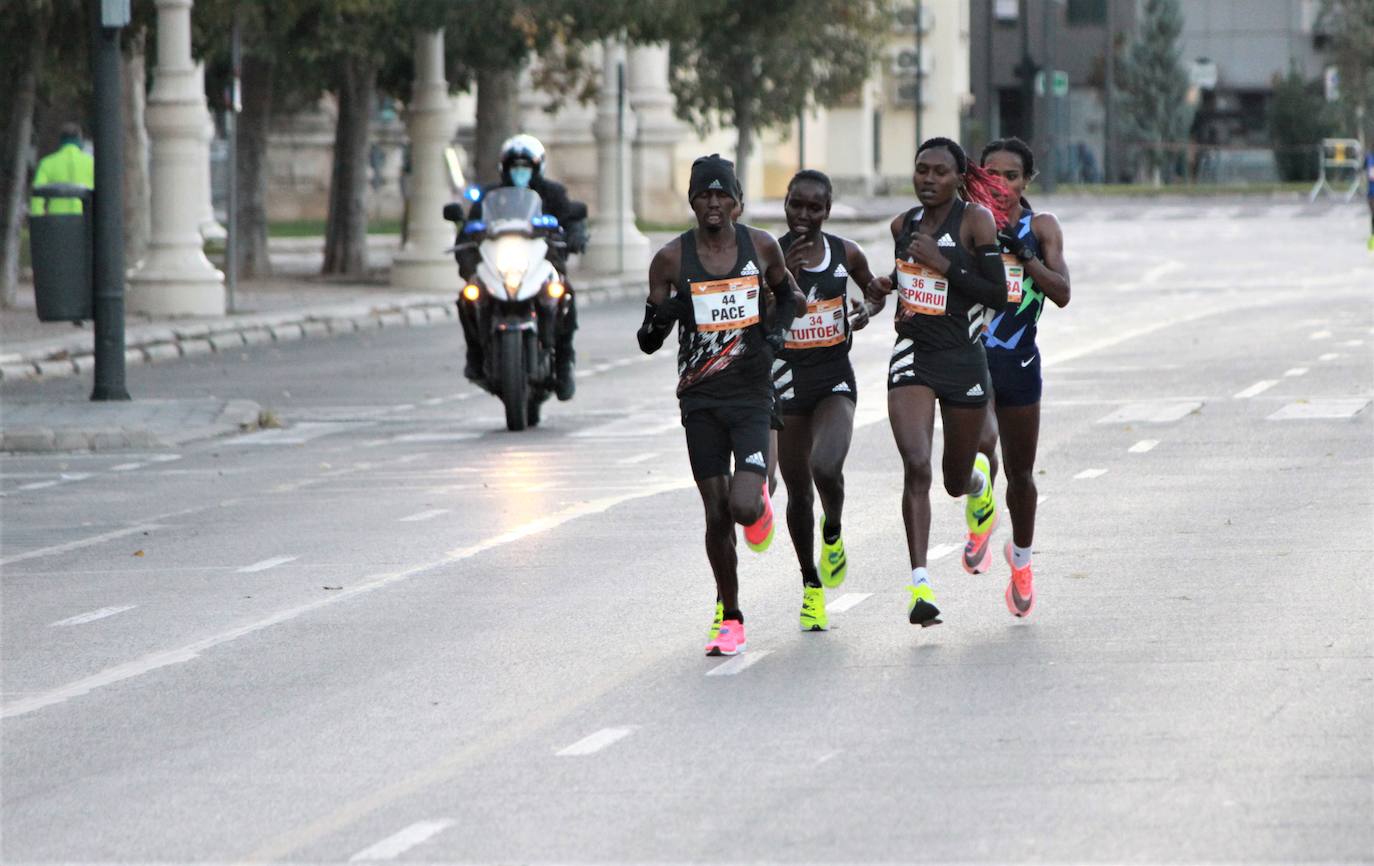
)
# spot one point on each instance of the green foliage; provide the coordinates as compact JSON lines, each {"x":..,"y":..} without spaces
{"x":760,"y":62}
{"x":1350,"y":24}
{"x":1154,"y":86}
{"x":1297,"y":124}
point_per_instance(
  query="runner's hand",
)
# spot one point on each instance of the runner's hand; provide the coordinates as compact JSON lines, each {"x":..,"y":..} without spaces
{"x":858,"y":315}
{"x":776,"y":339}
{"x":923,"y":250}
{"x":878,"y":289}
{"x":1012,"y":244}
{"x":797,"y":254}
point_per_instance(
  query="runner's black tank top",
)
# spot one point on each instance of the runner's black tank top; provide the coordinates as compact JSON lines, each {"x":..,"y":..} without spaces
{"x":722,"y":359}
{"x":931,"y":313}
{"x":820,"y":335}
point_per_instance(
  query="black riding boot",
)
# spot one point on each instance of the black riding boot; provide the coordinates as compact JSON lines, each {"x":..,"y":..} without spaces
{"x":565,"y":356}
{"x":467,"y":316}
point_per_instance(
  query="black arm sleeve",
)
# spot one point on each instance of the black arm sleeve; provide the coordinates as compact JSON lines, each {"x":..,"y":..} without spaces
{"x":987,"y":284}
{"x":784,"y":311}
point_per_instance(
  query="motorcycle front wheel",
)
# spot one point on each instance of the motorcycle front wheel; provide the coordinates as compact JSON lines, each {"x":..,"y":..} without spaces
{"x":514,"y":382}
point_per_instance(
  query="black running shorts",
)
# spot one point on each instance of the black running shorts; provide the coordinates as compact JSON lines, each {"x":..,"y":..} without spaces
{"x":808,"y":386}
{"x":715,"y":434}
{"x":958,"y":376}
{"x":1015,"y":377}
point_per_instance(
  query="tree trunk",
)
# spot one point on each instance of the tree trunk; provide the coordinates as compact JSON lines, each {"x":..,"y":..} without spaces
{"x":345,"y":240}
{"x":254,"y":122}
{"x":744,"y":148}
{"x":15,"y":138}
{"x":497,"y":120}
{"x":138,"y":193}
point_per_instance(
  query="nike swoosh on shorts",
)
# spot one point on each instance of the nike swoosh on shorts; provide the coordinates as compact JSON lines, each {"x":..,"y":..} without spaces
{"x":1028,"y":361}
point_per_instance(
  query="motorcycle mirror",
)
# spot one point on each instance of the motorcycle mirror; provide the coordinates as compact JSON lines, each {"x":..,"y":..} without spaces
{"x":453,"y":212}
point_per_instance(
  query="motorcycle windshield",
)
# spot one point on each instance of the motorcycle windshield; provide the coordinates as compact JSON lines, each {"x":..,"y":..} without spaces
{"x":510,"y":208}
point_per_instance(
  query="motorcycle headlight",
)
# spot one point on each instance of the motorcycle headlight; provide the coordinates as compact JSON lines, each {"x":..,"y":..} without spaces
{"x":512,"y":260}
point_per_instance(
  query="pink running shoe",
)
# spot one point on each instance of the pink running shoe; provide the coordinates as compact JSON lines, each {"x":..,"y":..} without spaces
{"x":729,"y":641}
{"x":978,"y":549}
{"x":759,"y":534}
{"x":1020,"y":589}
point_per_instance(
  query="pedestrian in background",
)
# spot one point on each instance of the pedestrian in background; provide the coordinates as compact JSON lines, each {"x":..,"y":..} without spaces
{"x":68,"y":164}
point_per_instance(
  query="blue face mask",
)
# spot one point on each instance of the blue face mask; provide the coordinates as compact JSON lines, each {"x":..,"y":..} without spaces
{"x":520,"y":175}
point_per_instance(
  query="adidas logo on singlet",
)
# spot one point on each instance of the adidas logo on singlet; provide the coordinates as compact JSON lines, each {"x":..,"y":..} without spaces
{"x":945,"y":241}
{"x":756,"y":459}
{"x":750,"y":269}
{"x":840,"y":271}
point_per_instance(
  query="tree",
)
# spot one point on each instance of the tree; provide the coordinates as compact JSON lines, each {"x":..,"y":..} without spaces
{"x":756,"y":64}
{"x":1350,"y":24}
{"x":1154,"y":87}
{"x":1297,"y":125}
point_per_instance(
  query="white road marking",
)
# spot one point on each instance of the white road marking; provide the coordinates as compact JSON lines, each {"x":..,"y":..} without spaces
{"x":297,"y":434}
{"x":1256,"y":389}
{"x":1353,"y":343}
{"x":828,"y":756}
{"x":266,"y":564}
{"x":738,"y":663}
{"x":1329,"y":356}
{"x":91,"y":616}
{"x":432,"y":401}
{"x":1040,"y":500}
{"x":164,"y":458}
{"x":594,"y":742}
{"x":404,"y":407}
{"x":84,"y":542}
{"x":1295,"y":371}
{"x":634,"y":426}
{"x":180,"y":655}
{"x":639,"y":458}
{"x":1153,"y":413}
{"x":1090,"y":473}
{"x":126,"y":467}
{"x":1333,"y":407}
{"x":424,"y":515}
{"x":1320,"y":335}
{"x":940,"y":551}
{"x":1143,"y":445}
{"x":431,"y":437}
{"x":39,"y":485}
{"x":846,"y":601}
{"x":394,"y":846}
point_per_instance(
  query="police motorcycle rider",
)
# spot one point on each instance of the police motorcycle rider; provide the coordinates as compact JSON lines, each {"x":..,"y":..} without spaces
{"x":522,"y":164}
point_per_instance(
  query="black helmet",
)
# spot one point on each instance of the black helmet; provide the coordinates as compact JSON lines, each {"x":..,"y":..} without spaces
{"x":521,"y":149}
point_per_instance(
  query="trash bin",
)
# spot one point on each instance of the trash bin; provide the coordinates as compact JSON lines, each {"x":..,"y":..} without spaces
{"x":60,"y":250}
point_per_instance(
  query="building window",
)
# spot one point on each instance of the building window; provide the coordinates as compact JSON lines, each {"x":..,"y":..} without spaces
{"x":1006,"y":11}
{"x":1087,"y":11}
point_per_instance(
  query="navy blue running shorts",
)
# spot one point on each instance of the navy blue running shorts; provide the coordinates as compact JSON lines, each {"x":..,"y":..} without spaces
{"x":1015,"y":377}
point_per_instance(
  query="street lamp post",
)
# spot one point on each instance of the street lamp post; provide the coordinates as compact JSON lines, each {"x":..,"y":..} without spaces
{"x":107,"y":270}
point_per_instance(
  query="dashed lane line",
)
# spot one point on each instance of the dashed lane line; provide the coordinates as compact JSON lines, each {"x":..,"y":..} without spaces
{"x":423,"y":515}
{"x":1295,"y":371}
{"x":846,"y":601}
{"x":80,"y":543}
{"x":739,"y":663}
{"x":1256,"y":389}
{"x":593,"y":743}
{"x":1090,"y":473}
{"x":940,"y":551}
{"x":266,"y":564}
{"x":91,"y":616}
{"x":397,"y":844}
{"x":1143,"y":445}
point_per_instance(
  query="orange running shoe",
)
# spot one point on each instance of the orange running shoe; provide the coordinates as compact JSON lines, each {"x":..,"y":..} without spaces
{"x":759,"y":534}
{"x":1020,"y":589}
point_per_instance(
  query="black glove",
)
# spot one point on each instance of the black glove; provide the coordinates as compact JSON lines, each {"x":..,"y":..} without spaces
{"x":1014,"y":245}
{"x":658,"y":321}
{"x":776,"y":339}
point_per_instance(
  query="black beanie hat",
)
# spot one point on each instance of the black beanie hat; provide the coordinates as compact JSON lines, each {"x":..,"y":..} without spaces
{"x":713,"y":172}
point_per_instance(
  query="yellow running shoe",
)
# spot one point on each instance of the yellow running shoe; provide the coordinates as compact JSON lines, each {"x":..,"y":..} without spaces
{"x":921,"y":609}
{"x":834,"y":565}
{"x":980,"y":512}
{"x":813,"y":616}
{"x":715,"y":624}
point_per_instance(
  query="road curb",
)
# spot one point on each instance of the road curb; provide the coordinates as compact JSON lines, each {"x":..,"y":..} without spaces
{"x":235,"y":416}
{"x":154,"y":343}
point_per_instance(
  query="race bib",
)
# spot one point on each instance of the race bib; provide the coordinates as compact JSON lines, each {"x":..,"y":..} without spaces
{"x":922,"y":291}
{"x":728,"y":304}
{"x":1016,"y":273}
{"x":821,"y":325}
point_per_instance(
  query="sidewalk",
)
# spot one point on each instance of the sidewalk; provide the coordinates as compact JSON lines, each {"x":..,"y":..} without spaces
{"x":293,"y":305}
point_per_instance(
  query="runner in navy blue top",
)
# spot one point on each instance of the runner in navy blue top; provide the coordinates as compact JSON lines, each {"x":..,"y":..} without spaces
{"x":1033,"y":254}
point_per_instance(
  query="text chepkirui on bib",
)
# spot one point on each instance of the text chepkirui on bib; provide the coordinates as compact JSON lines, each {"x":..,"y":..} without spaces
{"x":922,"y":291}
{"x":821,"y":325}
{"x":723,"y":305}
{"x":1016,"y":274}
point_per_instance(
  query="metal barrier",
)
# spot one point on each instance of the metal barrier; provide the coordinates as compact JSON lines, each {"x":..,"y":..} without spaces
{"x":1339,"y":157}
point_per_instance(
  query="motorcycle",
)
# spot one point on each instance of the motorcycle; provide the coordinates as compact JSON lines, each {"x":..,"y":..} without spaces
{"x":518,"y":296}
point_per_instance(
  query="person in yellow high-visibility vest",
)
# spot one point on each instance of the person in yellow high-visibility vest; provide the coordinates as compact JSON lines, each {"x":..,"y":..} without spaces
{"x":68,"y":164}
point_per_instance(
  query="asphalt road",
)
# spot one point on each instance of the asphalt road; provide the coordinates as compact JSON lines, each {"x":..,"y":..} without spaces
{"x":391,"y":629}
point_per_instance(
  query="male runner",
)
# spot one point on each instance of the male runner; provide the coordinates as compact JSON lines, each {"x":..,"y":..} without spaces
{"x":710,"y":281}
{"x":815,"y":385}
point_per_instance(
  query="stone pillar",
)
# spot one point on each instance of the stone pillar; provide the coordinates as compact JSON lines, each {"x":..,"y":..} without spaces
{"x":175,"y":278}
{"x":656,"y":195}
{"x":210,"y":229}
{"x":422,"y":263}
{"x":613,"y":220}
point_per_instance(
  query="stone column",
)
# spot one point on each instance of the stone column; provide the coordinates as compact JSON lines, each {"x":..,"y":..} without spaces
{"x":613,"y":220}
{"x":656,"y":195}
{"x":422,"y":263}
{"x":175,"y":278}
